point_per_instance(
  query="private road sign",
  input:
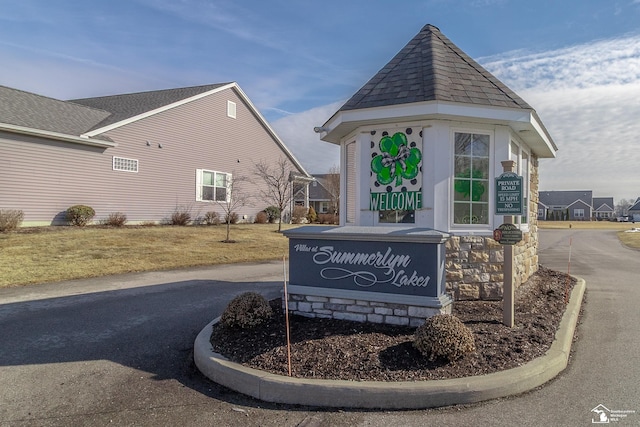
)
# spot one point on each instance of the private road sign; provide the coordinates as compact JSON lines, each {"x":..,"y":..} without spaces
{"x":509,"y":194}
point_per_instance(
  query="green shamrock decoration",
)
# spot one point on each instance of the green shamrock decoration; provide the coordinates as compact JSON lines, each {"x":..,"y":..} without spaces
{"x":397,"y":160}
{"x":470,"y":187}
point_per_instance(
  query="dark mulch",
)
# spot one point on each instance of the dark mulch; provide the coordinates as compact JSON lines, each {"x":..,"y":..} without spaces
{"x":345,"y":350}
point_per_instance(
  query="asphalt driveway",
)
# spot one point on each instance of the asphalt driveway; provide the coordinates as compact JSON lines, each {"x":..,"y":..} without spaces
{"x":117,"y":351}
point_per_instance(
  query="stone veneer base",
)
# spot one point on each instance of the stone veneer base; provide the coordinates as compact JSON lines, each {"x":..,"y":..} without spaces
{"x":403,"y":310}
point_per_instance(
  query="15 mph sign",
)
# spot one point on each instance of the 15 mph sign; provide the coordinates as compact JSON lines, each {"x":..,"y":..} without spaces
{"x":509,"y":194}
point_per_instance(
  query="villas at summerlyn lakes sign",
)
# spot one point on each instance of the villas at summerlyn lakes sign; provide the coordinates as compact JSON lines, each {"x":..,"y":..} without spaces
{"x":377,"y":260}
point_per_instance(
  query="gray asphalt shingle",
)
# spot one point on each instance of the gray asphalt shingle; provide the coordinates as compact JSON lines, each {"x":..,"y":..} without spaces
{"x":29,"y":110}
{"x":431,"y":68}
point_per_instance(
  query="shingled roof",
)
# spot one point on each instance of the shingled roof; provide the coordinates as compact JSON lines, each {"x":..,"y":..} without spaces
{"x":33,"y":111}
{"x":431,"y":68}
{"x":129,"y":105}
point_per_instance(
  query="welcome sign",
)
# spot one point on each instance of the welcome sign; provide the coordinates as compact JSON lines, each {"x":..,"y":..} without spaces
{"x":396,"y":170}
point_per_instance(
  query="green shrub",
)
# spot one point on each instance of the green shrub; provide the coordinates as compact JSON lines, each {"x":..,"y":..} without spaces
{"x":273,"y":213}
{"x":231,"y":218}
{"x":10,"y":219}
{"x":312,"y":216}
{"x":444,"y":337}
{"x":80,"y":215}
{"x":115,"y":219}
{"x":299,"y":214}
{"x":211,"y":218}
{"x":261,"y":218}
{"x":181,"y":216}
{"x":246,"y":311}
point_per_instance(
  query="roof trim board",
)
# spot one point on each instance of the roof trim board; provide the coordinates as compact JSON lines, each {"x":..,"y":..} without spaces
{"x":83,"y":140}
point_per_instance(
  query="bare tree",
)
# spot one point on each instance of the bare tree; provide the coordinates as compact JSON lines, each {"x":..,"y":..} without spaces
{"x":278,"y":178}
{"x":332,"y":184}
{"x":622,"y":207}
{"x":236,"y":198}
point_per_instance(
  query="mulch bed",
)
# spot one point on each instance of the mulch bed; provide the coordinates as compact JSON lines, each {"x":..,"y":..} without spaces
{"x":345,"y":350}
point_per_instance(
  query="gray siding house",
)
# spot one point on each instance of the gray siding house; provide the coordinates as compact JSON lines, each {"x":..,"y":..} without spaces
{"x":565,"y":205}
{"x":144,"y":154}
{"x":634,"y":211}
{"x":603,"y":208}
{"x":320,"y":193}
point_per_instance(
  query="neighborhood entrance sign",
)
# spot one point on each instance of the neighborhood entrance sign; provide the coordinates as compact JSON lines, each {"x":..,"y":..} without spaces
{"x":509,"y":194}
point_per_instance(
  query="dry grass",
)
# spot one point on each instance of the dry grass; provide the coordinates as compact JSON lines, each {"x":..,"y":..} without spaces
{"x":52,"y":254}
{"x":631,"y":240}
{"x":592,"y":225}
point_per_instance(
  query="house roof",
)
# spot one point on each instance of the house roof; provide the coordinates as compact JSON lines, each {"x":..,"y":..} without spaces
{"x":431,"y":78}
{"x":431,"y":68}
{"x":321,"y":190}
{"x":565,"y":198}
{"x":126,"y":106}
{"x":29,"y":110}
{"x":603,"y":204}
{"x":84,"y":120}
{"x":636,"y":206}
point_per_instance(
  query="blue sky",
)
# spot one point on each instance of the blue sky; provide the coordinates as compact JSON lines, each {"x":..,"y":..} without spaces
{"x":577,"y":62}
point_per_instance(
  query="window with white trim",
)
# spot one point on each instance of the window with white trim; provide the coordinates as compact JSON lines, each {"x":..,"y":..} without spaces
{"x":125,"y":165}
{"x":578,"y":213}
{"x":231,"y":109}
{"x":471,"y":178}
{"x":212,"y":186}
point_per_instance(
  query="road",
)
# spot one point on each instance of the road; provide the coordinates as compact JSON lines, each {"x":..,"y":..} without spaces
{"x":117,"y":351}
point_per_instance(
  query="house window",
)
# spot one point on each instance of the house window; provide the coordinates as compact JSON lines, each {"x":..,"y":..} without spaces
{"x":212,"y":186}
{"x":231,"y":109}
{"x":125,"y":165}
{"x":578,"y":213}
{"x":471,"y":178}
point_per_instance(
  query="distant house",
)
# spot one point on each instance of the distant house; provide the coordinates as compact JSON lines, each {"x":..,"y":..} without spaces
{"x":143,"y":154}
{"x":565,"y":205}
{"x":323,"y":193}
{"x":634,"y":211}
{"x":603,"y":208}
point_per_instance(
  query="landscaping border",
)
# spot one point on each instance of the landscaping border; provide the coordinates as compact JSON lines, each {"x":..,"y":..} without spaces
{"x":392,"y":395}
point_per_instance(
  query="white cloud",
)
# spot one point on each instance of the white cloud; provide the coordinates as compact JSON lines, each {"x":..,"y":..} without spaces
{"x":588,"y":98}
{"x":297,"y":133}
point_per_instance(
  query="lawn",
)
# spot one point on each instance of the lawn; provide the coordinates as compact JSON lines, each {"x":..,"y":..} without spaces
{"x":631,"y":240}
{"x":50,"y":254}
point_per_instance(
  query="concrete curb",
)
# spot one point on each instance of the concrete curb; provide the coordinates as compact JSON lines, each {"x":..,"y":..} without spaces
{"x":392,"y":395}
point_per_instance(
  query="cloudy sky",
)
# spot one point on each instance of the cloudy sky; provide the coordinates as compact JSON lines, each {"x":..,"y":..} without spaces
{"x":577,"y":62}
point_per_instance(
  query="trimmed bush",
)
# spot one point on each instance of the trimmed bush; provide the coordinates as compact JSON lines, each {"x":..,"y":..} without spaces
{"x":181,"y":217}
{"x":246,"y":311}
{"x":211,"y":218}
{"x":80,"y":215}
{"x":231,"y":218}
{"x":115,"y":219}
{"x":273,"y":213}
{"x":444,"y":337}
{"x":10,"y":219}
{"x":299,"y":214}
{"x":261,"y":218}
{"x":327,"y":218}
